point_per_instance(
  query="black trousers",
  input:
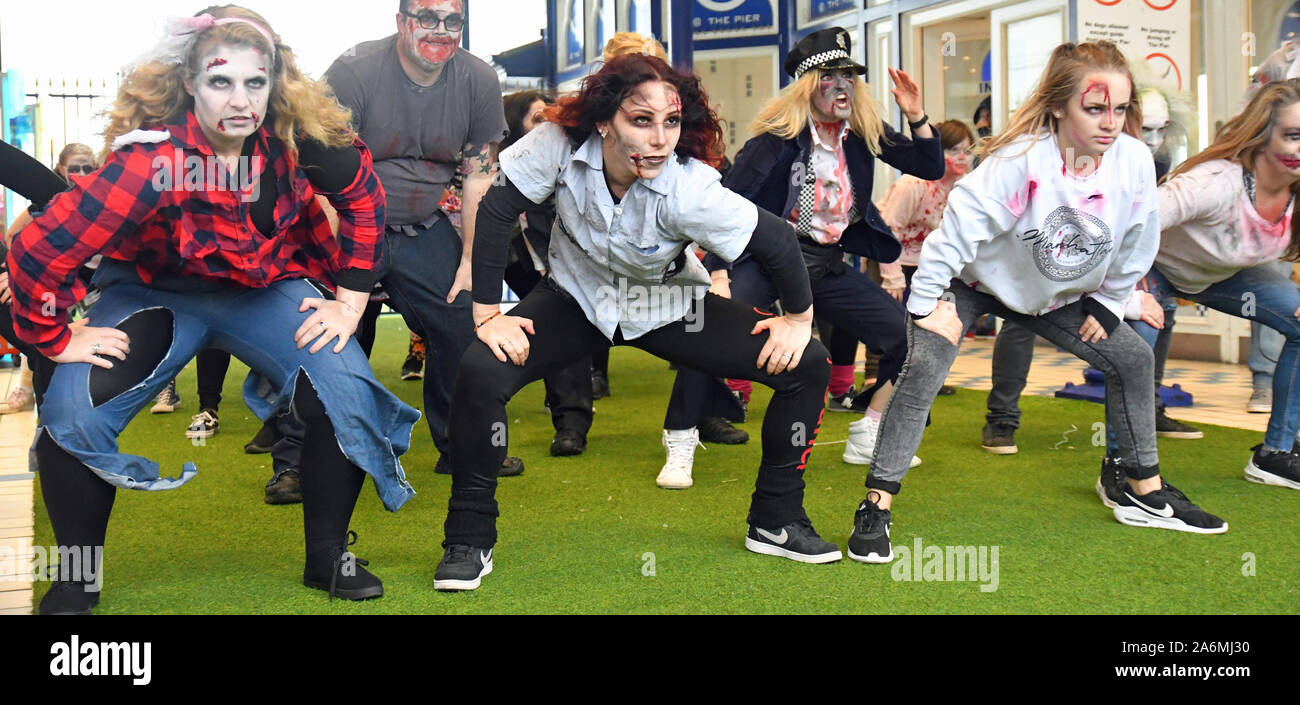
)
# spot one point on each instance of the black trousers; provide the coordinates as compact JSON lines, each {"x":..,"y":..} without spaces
{"x":568,"y":390}
{"x":724,"y":347}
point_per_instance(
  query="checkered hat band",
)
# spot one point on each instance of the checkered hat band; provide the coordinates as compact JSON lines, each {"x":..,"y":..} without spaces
{"x":819,"y":59}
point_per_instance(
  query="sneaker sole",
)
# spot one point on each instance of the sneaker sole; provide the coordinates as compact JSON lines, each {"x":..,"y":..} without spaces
{"x":1132,"y":516}
{"x":674,"y":486}
{"x":1105,"y":499}
{"x":1264,"y":477}
{"x":1185,"y":435}
{"x":768,"y":549}
{"x":407,"y":376}
{"x":369,"y":593}
{"x":873,"y":557}
{"x":200,"y":434}
{"x":1001,"y":450}
{"x":1259,"y":409}
{"x":162,"y":409}
{"x":462,"y":585}
{"x":853,"y":458}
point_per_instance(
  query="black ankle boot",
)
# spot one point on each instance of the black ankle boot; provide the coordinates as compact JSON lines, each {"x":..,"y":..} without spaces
{"x":69,"y":597}
{"x":335,"y":570}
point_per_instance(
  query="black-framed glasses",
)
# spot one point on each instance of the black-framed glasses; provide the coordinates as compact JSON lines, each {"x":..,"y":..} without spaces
{"x":80,"y":169}
{"x":429,"y":20}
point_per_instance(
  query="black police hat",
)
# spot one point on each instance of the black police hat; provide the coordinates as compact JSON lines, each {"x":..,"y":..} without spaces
{"x":824,"y":49}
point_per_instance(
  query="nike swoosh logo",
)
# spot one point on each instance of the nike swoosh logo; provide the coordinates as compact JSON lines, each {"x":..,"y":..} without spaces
{"x":1167,"y":512}
{"x":778,"y":539}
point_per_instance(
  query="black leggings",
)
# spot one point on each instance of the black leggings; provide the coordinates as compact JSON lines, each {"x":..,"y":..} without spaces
{"x":79,"y":503}
{"x":211,"y":366}
{"x":723,"y":348}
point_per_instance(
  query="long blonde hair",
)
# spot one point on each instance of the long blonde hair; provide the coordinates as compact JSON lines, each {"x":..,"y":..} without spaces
{"x":154,"y":92}
{"x":786,"y":115}
{"x":1065,"y":70}
{"x":1247,"y":134}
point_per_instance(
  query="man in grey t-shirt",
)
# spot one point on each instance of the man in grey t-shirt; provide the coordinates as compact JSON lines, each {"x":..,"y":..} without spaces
{"x":427,"y":108}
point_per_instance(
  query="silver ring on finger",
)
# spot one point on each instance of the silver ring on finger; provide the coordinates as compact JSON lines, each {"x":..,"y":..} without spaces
{"x":322,"y":324}
{"x":787,"y":357}
{"x":95,"y":348}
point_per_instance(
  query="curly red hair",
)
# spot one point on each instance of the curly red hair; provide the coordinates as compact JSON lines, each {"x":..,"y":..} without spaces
{"x":604,"y":91}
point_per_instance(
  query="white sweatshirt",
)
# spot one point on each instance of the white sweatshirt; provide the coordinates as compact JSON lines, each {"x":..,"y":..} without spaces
{"x":1021,"y":228}
{"x":1212,"y":230}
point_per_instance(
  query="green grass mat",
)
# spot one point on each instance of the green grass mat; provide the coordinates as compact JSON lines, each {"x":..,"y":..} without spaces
{"x":593,"y":534}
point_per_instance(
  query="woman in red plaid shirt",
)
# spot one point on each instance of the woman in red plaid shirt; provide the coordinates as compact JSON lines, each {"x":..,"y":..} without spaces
{"x":206,"y":214}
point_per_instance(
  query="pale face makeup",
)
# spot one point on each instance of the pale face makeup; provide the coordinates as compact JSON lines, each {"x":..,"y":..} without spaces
{"x":641,"y":138}
{"x":833,"y":99}
{"x":231,"y":92}
{"x":533,"y":117}
{"x":74,"y":168}
{"x":429,"y":49}
{"x":1155,"y":120}
{"x":958,"y":160}
{"x":1283,"y":148}
{"x":1093,"y":119}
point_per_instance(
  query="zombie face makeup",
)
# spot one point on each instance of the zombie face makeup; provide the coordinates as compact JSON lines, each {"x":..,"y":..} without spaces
{"x":1155,"y":119}
{"x":533,"y":117}
{"x":1092,"y":121}
{"x":231,"y":92}
{"x":958,"y":160}
{"x":429,"y":49}
{"x":641,"y":138}
{"x":1284,"y":144}
{"x":833,"y":99}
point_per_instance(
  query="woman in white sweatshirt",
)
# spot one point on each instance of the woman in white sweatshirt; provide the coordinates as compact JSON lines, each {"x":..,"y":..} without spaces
{"x":1226,"y":215}
{"x":1053,"y":230}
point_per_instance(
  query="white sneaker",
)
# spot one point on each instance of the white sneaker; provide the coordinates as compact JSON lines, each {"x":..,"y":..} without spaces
{"x":676,"y":473}
{"x":862,"y":442}
{"x":1261,"y":401}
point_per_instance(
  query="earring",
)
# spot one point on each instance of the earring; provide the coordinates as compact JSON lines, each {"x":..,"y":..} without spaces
{"x":603,"y":134}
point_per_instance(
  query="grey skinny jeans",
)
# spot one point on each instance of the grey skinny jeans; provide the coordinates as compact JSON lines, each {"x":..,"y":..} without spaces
{"x":1124,"y":358}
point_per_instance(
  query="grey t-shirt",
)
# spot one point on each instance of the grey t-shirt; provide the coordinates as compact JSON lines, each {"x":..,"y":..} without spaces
{"x":416,"y":133}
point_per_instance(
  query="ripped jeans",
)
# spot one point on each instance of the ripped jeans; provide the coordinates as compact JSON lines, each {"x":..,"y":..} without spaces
{"x":87,"y":407}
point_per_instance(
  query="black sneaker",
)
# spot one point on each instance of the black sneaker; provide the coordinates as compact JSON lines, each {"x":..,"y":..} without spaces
{"x":1279,"y":468}
{"x":599,"y":386}
{"x":1166,"y":508}
{"x":1173,"y":428}
{"x":947,"y":390}
{"x":843,"y":402}
{"x":869,"y":542}
{"x":69,"y":597}
{"x":265,"y":438}
{"x":1112,"y":483}
{"x":342,"y":574}
{"x":284,"y":488}
{"x":567,"y":443}
{"x":715,"y":429}
{"x":462,"y":568}
{"x":797,"y":541}
{"x":999,"y":439}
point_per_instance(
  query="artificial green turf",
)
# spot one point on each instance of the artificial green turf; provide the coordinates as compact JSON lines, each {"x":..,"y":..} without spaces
{"x":575,"y":532}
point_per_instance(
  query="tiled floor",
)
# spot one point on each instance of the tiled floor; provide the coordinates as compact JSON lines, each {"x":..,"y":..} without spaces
{"x":16,"y":519}
{"x":1219,"y":392}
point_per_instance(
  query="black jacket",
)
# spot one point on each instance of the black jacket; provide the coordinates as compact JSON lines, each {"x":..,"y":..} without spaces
{"x":768,"y":168}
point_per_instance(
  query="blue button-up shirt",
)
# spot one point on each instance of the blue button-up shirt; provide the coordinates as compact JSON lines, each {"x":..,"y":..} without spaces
{"x":630,"y":265}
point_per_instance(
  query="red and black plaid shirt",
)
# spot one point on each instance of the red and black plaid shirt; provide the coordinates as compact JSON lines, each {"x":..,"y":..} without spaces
{"x":136,"y":210}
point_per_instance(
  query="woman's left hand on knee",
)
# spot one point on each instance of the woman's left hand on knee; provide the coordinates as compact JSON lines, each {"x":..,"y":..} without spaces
{"x":332,"y":319}
{"x":787,"y":338}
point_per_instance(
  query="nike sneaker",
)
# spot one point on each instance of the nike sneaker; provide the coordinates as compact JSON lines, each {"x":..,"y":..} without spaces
{"x":869,"y":542}
{"x":1278,"y":468}
{"x":462,"y":568}
{"x":1166,"y":508}
{"x":797,"y":541}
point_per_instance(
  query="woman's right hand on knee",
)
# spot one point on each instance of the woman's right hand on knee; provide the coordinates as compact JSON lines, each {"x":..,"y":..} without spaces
{"x":943,"y":320}
{"x":505,"y":336}
{"x":94,"y":345}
